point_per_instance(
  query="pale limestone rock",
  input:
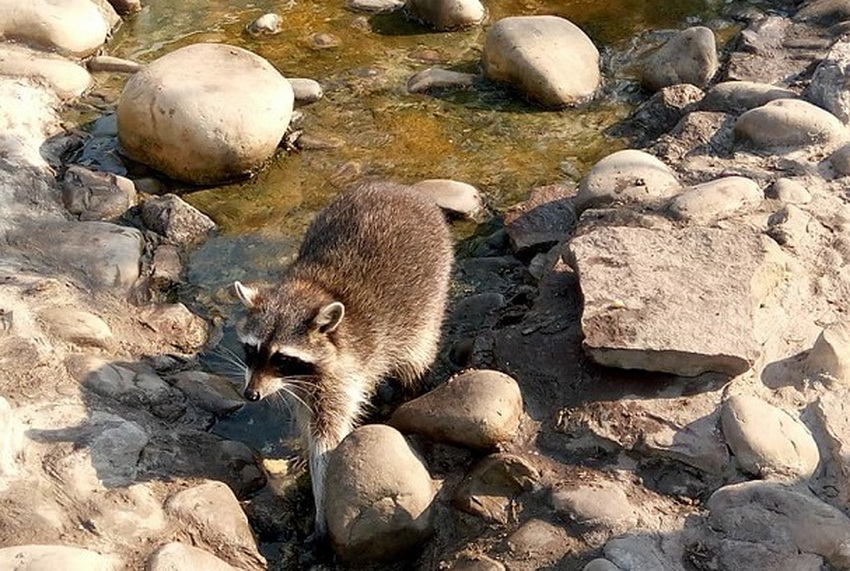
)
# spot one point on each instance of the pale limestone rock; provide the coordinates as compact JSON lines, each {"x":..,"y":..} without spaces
{"x":688,"y":57}
{"x":788,"y":123}
{"x":628,"y":176}
{"x":74,"y":27}
{"x":266,"y":25}
{"x":64,"y":77}
{"x":711,"y":201}
{"x":305,"y":90}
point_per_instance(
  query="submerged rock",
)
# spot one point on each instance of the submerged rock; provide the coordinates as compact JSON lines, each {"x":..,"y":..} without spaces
{"x":172,"y":217}
{"x":688,"y":57}
{"x":205,"y":113}
{"x":94,"y":195}
{"x":436,"y":78}
{"x":628,"y":176}
{"x":266,"y":25}
{"x":305,"y":90}
{"x":548,"y":59}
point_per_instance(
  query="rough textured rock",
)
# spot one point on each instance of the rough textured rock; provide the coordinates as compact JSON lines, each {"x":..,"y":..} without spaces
{"x":601,"y":507}
{"x":711,"y":201}
{"x":546,"y":218}
{"x":541,"y":540}
{"x":76,"y":326}
{"x":832,"y":424}
{"x":306,"y":90}
{"x":52,"y":557}
{"x":183,"y":329}
{"x":456,"y":198}
{"x":437,"y":78}
{"x":656,"y":551}
{"x":166,"y":267}
{"x":789,"y":226}
{"x":740,"y":96}
{"x":788,"y":123}
{"x":831,"y":80}
{"x":549,"y":59}
{"x":790,"y":191}
{"x":93,"y":195}
{"x":661,"y":112}
{"x":11,"y":441}
{"x":829,"y":359}
{"x":490,"y":488}
{"x":172,"y":217}
{"x":644,"y":310}
{"x":74,"y":27}
{"x":126,"y":7}
{"x":840,"y":160}
{"x":266,"y":25}
{"x":478,"y":408}
{"x":379,"y":496}
{"x":688,"y":57}
{"x":767,"y":441}
{"x":182,"y":557}
{"x":629,"y":176}
{"x":214,"y":510}
{"x":780,"y":519}
{"x":824,"y":11}
{"x":211,"y":393}
{"x":220,"y":112}
{"x":64,"y":77}
{"x":600,"y":564}
{"x":446,"y":14}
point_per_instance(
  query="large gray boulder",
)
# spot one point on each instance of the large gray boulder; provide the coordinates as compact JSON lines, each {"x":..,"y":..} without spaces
{"x":73,"y":27}
{"x":205,"y":113}
{"x":788,"y":123}
{"x":548,"y":59}
{"x":688,"y":57}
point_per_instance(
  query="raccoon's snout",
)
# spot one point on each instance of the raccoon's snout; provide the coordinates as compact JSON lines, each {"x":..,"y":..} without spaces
{"x":251,"y":394}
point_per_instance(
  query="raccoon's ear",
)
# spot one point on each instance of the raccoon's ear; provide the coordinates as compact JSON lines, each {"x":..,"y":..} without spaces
{"x":329,"y":317}
{"x":247,"y":295}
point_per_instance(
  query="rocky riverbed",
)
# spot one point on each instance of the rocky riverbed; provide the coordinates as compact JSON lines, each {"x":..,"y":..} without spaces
{"x":644,"y":370}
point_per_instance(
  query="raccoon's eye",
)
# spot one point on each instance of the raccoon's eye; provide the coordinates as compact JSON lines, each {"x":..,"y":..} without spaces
{"x":251,"y":353}
{"x":288,"y":366}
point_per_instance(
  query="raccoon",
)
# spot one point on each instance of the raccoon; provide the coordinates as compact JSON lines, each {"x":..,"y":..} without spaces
{"x":364,"y":300}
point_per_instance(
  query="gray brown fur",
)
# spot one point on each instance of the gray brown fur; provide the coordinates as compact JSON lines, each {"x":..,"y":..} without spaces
{"x":385,"y":253}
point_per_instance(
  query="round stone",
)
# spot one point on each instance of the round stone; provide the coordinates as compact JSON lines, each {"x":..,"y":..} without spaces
{"x":175,"y":556}
{"x":456,"y":198}
{"x":708,"y":202}
{"x":74,"y":27}
{"x":688,"y":57}
{"x":205,"y":113}
{"x":446,"y":14}
{"x":789,"y":191}
{"x":266,"y":25}
{"x":740,"y":96}
{"x":64,"y":77}
{"x":788,"y":123}
{"x":626,"y":176}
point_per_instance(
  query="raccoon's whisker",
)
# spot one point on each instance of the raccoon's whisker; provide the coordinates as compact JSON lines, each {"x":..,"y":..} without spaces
{"x":278,"y":398}
{"x":291,"y":393}
{"x":230,"y":352}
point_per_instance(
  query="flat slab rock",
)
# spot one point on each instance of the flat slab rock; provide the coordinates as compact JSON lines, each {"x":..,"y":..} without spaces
{"x":52,"y":557}
{"x":676,"y":301}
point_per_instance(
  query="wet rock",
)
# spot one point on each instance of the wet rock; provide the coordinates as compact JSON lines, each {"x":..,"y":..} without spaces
{"x":374,"y":6}
{"x":455,"y":198}
{"x":305,"y":90}
{"x":600,"y":564}
{"x":789,"y":191}
{"x":221,"y":526}
{"x":786,"y":123}
{"x":437,"y":78}
{"x":548,"y":59}
{"x":740,"y":96}
{"x":166,"y":267}
{"x":767,"y":441}
{"x":379,"y":496}
{"x":831,"y":80}
{"x":266,"y":25}
{"x":478,"y":408}
{"x":489,"y":490}
{"x":711,"y":201}
{"x":172,"y":217}
{"x":829,"y":359}
{"x":687,"y":327}
{"x":126,"y":7}
{"x":446,"y":15}
{"x":114,"y":446}
{"x":840,"y":160}
{"x":660,"y":113}
{"x":656,"y":551}
{"x":539,"y":539}
{"x":240,"y":93}
{"x":789,"y":226}
{"x":786,"y":521}
{"x":174,"y":322}
{"x":688,"y":57}
{"x":546,"y":218}
{"x":11,"y":441}
{"x":113,"y":64}
{"x":77,"y":326}
{"x":67,"y":79}
{"x":180,"y":556}
{"x":596,"y":508}
{"x":52,"y":557}
{"x":209,"y":392}
{"x":74,"y":27}
{"x":93,"y":195}
{"x":471,"y":313}
{"x":477,"y":562}
{"x":629,"y":176}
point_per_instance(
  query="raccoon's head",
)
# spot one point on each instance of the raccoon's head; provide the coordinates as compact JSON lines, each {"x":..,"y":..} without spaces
{"x":288,"y":336}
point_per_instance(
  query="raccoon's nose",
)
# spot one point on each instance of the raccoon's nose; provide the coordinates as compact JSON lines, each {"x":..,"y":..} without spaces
{"x":252,"y":395}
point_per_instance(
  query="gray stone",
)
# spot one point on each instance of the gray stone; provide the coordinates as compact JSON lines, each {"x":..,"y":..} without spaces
{"x":767,"y":441}
{"x":712,"y":201}
{"x":266,"y":25}
{"x":541,"y":540}
{"x":478,"y":408}
{"x":661,"y":112}
{"x":599,"y":507}
{"x":74,"y":27}
{"x":182,"y":557}
{"x":840,"y":160}
{"x":789,"y":191}
{"x":490,"y":489}
{"x":172,"y":217}
{"x":53,"y":557}
{"x":476,"y":562}
{"x":93,"y":195}
{"x":437,"y":78}
{"x":628,"y":176}
{"x":656,"y":551}
{"x":546,"y":218}
{"x":67,"y":79}
{"x":113,"y":64}
{"x":688,"y":57}
{"x":824,"y":11}
{"x":445,"y":15}
{"x":548,"y":59}
{"x":600,"y":564}
{"x":11,"y":441}
{"x":219,"y":522}
{"x":115,"y":446}
{"x":789,"y":226}
{"x":181,"y":328}
{"x":456,"y":198}
{"x":471,"y":313}
{"x":740,"y":96}
{"x":77,"y":326}
{"x":306,"y":90}
{"x":378,"y":496}
{"x":829,"y":359}
{"x":832,"y":424}
{"x":788,"y":123}
{"x":783,"y":519}
{"x":643,"y":309}
{"x":374,"y":6}
{"x":166,"y":267}
{"x":165,"y":113}
{"x":126,"y":7}
{"x":831,"y":81}
{"x":209,"y":392}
